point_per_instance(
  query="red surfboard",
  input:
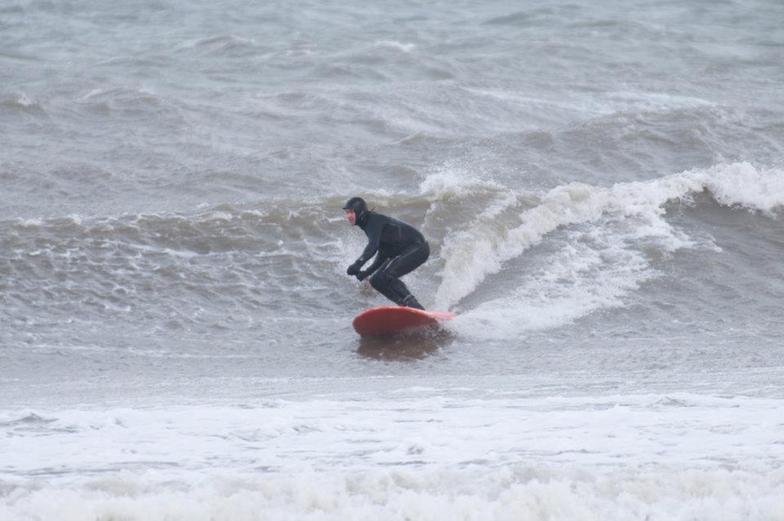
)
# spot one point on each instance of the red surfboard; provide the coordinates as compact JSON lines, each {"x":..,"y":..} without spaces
{"x":389,"y":320}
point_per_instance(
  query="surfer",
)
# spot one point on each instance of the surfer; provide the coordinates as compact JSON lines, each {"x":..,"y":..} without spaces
{"x":399,"y":249}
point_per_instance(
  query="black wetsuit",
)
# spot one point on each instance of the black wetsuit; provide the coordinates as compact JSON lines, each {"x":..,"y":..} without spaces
{"x":399,"y":249}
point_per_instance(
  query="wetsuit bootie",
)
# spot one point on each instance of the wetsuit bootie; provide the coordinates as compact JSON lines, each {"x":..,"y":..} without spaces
{"x":411,"y":302}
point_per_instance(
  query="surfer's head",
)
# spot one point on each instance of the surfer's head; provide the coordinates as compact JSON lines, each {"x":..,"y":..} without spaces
{"x":356,"y":210}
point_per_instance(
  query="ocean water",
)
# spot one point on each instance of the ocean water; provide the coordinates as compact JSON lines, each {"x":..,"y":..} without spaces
{"x":602,"y":185}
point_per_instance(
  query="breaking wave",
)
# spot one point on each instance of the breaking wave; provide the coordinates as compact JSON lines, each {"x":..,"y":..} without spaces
{"x":603,"y":243}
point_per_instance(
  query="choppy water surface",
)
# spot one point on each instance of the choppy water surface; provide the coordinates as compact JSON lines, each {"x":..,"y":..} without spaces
{"x":602,"y":185}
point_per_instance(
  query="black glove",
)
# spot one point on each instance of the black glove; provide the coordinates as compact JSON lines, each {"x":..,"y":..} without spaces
{"x":354,"y":268}
{"x":362,"y":275}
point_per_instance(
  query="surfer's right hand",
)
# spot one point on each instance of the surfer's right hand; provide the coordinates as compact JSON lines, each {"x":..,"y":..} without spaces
{"x":353,"y":269}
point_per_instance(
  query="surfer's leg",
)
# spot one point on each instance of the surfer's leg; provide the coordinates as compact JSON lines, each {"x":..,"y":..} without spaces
{"x":409,"y":260}
{"x":386,"y":280}
{"x":380,"y":282}
{"x":411,"y":302}
{"x":394,"y":290}
{"x":385,"y":285}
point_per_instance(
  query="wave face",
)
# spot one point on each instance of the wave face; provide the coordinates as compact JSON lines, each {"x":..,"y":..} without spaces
{"x":602,"y":186}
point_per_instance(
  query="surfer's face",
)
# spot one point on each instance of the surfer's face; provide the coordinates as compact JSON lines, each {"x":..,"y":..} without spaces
{"x":351,"y":217}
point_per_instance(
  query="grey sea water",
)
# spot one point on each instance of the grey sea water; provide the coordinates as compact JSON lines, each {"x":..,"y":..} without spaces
{"x":602,"y":185}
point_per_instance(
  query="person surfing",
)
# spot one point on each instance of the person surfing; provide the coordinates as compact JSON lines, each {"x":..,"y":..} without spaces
{"x":399,"y":249}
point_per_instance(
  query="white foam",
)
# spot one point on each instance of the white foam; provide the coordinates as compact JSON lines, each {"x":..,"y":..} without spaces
{"x":401,"y":431}
{"x":510,"y":493}
{"x":416,"y":455}
{"x":744,"y":185}
{"x":581,"y":280}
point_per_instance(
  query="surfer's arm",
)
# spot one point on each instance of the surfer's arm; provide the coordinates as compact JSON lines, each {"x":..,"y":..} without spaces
{"x":373,"y":232}
{"x":378,"y":261}
{"x":374,"y":239}
{"x":354,"y":268}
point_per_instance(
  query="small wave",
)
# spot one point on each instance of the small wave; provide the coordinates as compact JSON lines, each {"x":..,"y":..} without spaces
{"x":120,"y":93}
{"x":224,"y":45}
{"x":399,"y":46}
{"x":133,"y":102}
{"x":29,"y":419}
{"x":447,"y":184}
{"x":21,"y":103}
{"x":521,"y":18}
{"x":631,"y":101}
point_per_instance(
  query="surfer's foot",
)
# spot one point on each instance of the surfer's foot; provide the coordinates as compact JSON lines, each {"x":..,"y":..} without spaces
{"x":411,"y":302}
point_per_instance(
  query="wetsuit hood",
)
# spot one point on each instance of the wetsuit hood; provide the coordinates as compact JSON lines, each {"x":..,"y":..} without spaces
{"x":360,"y":209}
